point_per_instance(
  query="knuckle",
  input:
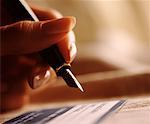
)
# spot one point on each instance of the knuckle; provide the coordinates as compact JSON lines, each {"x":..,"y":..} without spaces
{"x":25,"y":26}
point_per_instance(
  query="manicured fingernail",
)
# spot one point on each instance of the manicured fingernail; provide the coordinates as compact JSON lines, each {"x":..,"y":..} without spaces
{"x":73,"y":51}
{"x":73,"y":21}
{"x":40,"y":79}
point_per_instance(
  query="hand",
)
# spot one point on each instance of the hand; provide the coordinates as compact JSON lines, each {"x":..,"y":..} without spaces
{"x":19,"y":46}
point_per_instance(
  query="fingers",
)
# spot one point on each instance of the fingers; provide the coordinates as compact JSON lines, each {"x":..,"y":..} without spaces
{"x":41,"y":77}
{"x":67,"y":44}
{"x":59,"y":25}
{"x":28,"y":36}
{"x":67,"y":47}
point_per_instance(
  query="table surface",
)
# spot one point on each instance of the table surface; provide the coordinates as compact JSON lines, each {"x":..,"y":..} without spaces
{"x":136,"y":110}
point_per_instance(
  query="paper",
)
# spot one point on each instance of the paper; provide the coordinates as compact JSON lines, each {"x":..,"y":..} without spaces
{"x":79,"y":114}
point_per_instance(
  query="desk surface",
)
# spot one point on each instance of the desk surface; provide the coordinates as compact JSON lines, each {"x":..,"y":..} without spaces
{"x":136,"y":110}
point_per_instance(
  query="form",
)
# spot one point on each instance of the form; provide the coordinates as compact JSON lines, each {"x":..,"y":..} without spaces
{"x":92,"y":113}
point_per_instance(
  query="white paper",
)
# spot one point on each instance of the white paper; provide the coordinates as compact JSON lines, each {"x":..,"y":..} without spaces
{"x":87,"y":113}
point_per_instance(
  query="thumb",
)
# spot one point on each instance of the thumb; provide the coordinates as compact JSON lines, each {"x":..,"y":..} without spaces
{"x":29,"y":36}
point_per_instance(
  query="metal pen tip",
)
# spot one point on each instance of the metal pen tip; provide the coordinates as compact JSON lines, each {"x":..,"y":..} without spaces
{"x":75,"y":80}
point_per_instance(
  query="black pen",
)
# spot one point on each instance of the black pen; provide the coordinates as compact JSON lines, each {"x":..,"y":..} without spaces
{"x":19,"y":10}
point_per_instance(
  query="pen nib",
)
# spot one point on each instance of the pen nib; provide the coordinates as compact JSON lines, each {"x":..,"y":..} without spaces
{"x":71,"y":80}
{"x":75,"y":80}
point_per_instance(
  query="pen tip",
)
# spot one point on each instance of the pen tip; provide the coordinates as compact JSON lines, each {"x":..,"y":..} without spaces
{"x":81,"y":89}
{"x":75,"y":80}
{"x":78,"y":84}
{"x":71,"y":80}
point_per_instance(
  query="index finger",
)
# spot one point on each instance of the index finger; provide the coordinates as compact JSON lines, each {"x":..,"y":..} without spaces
{"x":65,"y":44}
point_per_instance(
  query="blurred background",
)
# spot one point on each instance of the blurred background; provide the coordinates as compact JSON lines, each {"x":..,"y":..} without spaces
{"x":110,"y":34}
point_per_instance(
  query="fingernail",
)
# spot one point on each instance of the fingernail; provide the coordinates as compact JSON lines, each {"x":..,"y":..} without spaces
{"x":73,"y":51}
{"x":73,"y":21}
{"x":40,"y":79}
{"x":59,"y":25}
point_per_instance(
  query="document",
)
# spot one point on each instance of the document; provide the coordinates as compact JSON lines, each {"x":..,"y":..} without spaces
{"x":80,"y":114}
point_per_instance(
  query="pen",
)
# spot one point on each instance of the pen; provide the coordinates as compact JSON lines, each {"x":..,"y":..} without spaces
{"x":19,"y":10}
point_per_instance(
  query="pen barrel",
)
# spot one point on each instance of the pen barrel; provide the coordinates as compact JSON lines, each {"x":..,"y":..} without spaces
{"x":54,"y":58}
{"x":13,"y":11}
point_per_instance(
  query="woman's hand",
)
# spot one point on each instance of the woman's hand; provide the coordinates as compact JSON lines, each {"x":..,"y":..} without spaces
{"x":20,"y":43}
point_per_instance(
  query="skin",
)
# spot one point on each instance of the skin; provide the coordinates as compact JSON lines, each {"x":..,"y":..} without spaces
{"x":20,"y":42}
